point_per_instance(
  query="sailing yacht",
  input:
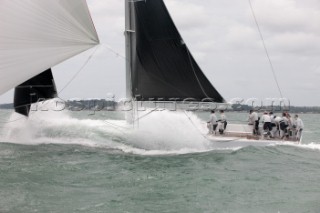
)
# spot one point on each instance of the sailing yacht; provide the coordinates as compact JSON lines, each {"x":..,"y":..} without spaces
{"x":160,"y":66}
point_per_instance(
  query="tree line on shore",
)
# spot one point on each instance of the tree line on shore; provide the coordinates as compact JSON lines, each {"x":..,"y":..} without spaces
{"x":235,"y":107}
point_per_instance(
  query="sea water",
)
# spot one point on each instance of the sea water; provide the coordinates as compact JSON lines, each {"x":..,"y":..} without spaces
{"x":96,"y":162}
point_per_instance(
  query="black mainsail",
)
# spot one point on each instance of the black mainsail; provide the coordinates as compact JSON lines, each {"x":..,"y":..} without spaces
{"x":38,"y":88}
{"x":160,"y":65}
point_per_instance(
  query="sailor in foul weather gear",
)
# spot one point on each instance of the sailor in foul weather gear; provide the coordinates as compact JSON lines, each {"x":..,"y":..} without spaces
{"x":277,"y":121}
{"x":212,"y":123}
{"x":223,"y":122}
{"x":273,"y":124}
{"x":254,"y":120}
{"x":290,"y":128}
{"x":250,"y":119}
{"x":284,"y":126}
{"x":266,"y":120}
{"x":298,"y":127}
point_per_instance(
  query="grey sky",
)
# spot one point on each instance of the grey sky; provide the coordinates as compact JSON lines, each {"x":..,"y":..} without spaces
{"x":224,"y":40}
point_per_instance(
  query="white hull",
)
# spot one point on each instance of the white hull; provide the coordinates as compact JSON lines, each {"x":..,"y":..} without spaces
{"x":233,"y":142}
{"x":238,"y":135}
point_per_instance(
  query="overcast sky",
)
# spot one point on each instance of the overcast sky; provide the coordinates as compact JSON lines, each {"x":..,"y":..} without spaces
{"x":225,"y":42}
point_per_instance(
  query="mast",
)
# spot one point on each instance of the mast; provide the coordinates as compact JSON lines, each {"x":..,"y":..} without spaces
{"x":128,"y":46}
{"x":129,"y":26}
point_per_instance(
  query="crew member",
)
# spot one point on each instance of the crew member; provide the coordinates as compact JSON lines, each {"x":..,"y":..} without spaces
{"x":299,"y":127}
{"x":212,"y":123}
{"x":284,"y":126}
{"x":266,"y":123}
{"x":254,"y":120}
{"x":277,"y":121}
{"x":223,"y":121}
{"x":273,"y":124}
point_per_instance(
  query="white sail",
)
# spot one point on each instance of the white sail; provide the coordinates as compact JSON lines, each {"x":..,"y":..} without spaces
{"x":38,"y":34}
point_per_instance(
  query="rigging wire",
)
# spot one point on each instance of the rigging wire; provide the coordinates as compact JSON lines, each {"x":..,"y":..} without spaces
{"x":145,"y":115}
{"x":78,"y":72}
{"x":114,"y":52}
{"x":265,"y":48}
{"x":117,"y":127}
{"x":193,"y":124}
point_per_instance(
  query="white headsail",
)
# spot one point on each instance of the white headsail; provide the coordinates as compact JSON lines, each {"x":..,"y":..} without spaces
{"x":38,"y":34}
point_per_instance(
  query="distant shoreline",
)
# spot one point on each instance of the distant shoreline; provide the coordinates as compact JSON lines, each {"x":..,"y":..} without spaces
{"x":112,"y":106}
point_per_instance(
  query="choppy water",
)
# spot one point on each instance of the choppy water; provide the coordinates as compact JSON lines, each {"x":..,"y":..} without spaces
{"x":75,"y":162}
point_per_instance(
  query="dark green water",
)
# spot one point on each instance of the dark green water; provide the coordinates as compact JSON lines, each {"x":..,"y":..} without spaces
{"x":78,"y":164}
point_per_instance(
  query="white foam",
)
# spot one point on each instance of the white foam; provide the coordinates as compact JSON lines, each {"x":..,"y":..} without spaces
{"x":160,"y":133}
{"x":311,"y":146}
{"x":167,"y":130}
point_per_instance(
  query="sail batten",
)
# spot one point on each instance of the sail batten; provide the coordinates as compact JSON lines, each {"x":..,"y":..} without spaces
{"x":36,"y":35}
{"x":160,"y":64}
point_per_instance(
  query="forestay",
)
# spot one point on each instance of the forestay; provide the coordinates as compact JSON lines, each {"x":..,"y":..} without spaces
{"x":38,"y":34}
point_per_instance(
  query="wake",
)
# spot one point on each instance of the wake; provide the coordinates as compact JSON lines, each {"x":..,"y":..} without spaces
{"x":160,"y":133}
{"x":310,"y":146}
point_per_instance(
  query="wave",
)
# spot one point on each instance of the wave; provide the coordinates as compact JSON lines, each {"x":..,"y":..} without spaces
{"x":310,"y":146}
{"x":159,"y":133}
